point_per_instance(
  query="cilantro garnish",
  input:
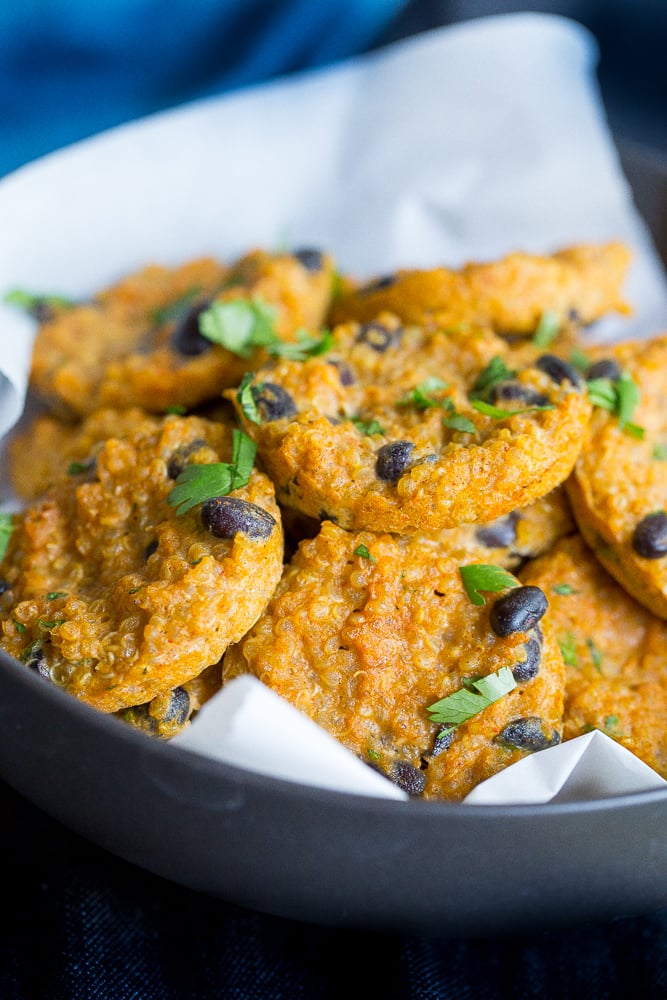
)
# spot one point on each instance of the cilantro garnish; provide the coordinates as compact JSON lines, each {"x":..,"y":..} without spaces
{"x":6,"y":528}
{"x":563,"y":588}
{"x":464,"y":703}
{"x":36,"y":305}
{"x":547,"y":328}
{"x":198,"y":483}
{"x":239,"y":325}
{"x":596,"y":655}
{"x":499,"y":414}
{"x":362,"y":550}
{"x":421,"y":396}
{"x":611,"y":722}
{"x":619,"y":397}
{"x":176,"y":410}
{"x":496,"y":371}
{"x":78,"y":468}
{"x":367,"y":427}
{"x":53,"y":594}
{"x":304,"y":347}
{"x":659,"y":452}
{"x":457,"y":422}
{"x":479,"y":577}
{"x":174,"y":310}
{"x":246,"y":399}
{"x":579,"y":360}
{"x":568,"y":649}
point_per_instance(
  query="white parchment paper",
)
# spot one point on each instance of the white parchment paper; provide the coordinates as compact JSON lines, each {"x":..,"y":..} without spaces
{"x":464,"y":143}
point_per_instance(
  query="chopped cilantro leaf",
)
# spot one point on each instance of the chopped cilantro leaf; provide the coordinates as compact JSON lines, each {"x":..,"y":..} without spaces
{"x":176,"y":410}
{"x":239,"y":325}
{"x":304,"y":347}
{"x":568,"y":649}
{"x":198,"y":483}
{"x":6,"y":528}
{"x":361,"y":550}
{"x":478,"y":577}
{"x":547,"y":328}
{"x":579,"y":360}
{"x":457,"y":422}
{"x":53,"y":594}
{"x":421,"y":396}
{"x":466,"y":702}
{"x":596,"y":655}
{"x":499,"y":414}
{"x":620,"y":398}
{"x":563,"y":588}
{"x":36,"y":305}
{"x":368,"y":427}
{"x":659,"y":452}
{"x":496,"y":371}
{"x":246,"y":400}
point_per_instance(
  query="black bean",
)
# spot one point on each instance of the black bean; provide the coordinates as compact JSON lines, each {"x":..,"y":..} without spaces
{"x":605,"y":368}
{"x":559,"y":371}
{"x":378,"y":336}
{"x":527,"y":734}
{"x":178,"y":707}
{"x":500,"y":533}
{"x":150,"y":549}
{"x":36,"y":660}
{"x":311,"y":258}
{"x":526,"y":669}
{"x":345,"y":373}
{"x":411,"y":779}
{"x":187,"y":338}
{"x":393,"y":459}
{"x":272,"y":401}
{"x":649,"y":539}
{"x":443,"y":740}
{"x":179,"y":458}
{"x":386,"y":281}
{"x":4,"y":586}
{"x":225,"y":516}
{"x":518,"y":610}
{"x":516,"y":392}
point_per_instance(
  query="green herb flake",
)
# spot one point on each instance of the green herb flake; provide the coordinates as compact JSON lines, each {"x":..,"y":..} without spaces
{"x":496,"y":371}
{"x":620,"y":398}
{"x":239,"y":325}
{"x":50,"y":624}
{"x":659,"y":452}
{"x":568,"y":649}
{"x":457,"y":422}
{"x":35,"y":304}
{"x":596,"y":655}
{"x":27,"y":651}
{"x":304,"y":347}
{"x":173,"y":311}
{"x":579,"y":361}
{"x":547,"y":328}
{"x":19,"y":626}
{"x":373,"y":754}
{"x":421,"y":396}
{"x":611,"y":722}
{"x":6,"y":528}
{"x":135,"y":590}
{"x":53,"y":594}
{"x":499,"y":414}
{"x":246,"y":399}
{"x":478,"y":577}
{"x":78,"y":468}
{"x":198,"y":483}
{"x":362,"y":551}
{"x":469,"y":701}
{"x":564,"y":589}
{"x":176,"y":410}
{"x":368,"y":427}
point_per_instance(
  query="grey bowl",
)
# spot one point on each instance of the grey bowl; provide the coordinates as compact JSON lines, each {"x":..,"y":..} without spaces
{"x":435,"y":869}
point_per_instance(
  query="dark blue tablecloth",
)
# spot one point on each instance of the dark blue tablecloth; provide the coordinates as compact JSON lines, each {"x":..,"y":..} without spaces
{"x":81,"y":924}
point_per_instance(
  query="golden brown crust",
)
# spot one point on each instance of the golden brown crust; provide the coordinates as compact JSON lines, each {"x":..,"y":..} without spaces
{"x":508,"y":295}
{"x":122,"y":350}
{"x":620,"y":478}
{"x":364,"y":645}
{"x":326,"y":465}
{"x":615,"y":651}
{"x":113,"y":595}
